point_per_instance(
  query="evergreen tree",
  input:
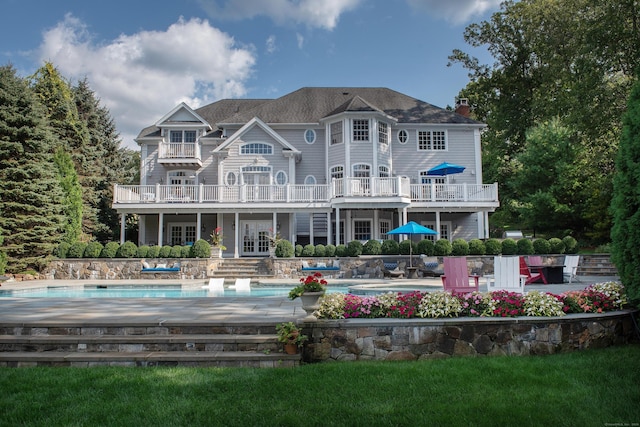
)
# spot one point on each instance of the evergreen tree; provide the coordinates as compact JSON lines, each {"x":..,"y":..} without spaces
{"x":73,"y":195}
{"x":625,"y":205}
{"x":30,"y":194}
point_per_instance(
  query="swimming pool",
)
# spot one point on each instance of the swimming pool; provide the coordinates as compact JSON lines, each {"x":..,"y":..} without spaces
{"x":147,"y":291}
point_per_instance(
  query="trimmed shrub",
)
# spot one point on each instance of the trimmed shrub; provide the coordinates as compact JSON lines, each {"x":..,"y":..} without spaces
{"x":492,"y":247}
{"x":541,"y":246}
{"x":372,"y":247}
{"x":110,"y":250}
{"x":509,"y":247}
{"x":185,"y":251}
{"x":284,"y":249}
{"x":406,"y":247}
{"x":176,"y":251}
{"x":425,"y":246}
{"x":143,"y":251}
{"x":320,"y":250}
{"x":476,"y":247}
{"x":127,"y":250}
{"x":390,"y":247}
{"x":525,"y":247}
{"x":442,"y":247}
{"x":93,"y":250}
{"x":460,"y":247}
{"x":62,"y":250}
{"x":154,"y":251}
{"x":330,"y":250}
{"x":354,"y":248}
{"x":298,"y":250}
{"x":556,"y":246}
{"x":308,"y":250}
{"x":200,"y":249}
{"x":570,"y":244}
{"x":341,"y":250}
{"x":165,"y":251}
{"x":76,"y":250}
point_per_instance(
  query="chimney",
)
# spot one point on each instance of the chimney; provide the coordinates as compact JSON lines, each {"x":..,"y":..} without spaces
{"x":462,"y":107}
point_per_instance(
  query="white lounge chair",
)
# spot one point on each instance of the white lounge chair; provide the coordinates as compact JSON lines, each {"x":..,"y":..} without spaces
{"x":243,"y":286}
{"x":215,"y":286}
{"x":506,"y":275}
{"x":570,"y":270}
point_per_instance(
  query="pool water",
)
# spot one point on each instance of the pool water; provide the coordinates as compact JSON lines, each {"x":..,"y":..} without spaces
{"x":149,"y":292}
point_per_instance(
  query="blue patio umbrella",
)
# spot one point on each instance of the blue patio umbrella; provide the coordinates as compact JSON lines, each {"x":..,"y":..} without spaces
{"x":412,"y":228}
{"x":445,"y":169}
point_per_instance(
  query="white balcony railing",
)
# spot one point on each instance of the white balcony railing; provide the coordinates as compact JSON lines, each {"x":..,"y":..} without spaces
{"x":366,"y":188}
{"x":179,"y":150}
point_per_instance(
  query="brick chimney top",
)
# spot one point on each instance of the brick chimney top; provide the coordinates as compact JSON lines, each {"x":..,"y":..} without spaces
{"x":462,"y":107}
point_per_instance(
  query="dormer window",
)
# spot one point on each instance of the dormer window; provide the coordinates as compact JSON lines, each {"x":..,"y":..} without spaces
{"x":256,"y":148}
{"x":182,"y":136}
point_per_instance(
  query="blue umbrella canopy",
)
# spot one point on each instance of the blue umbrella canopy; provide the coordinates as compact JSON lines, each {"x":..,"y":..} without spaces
{"x":412,"y":228}
{"x":445,"y":169}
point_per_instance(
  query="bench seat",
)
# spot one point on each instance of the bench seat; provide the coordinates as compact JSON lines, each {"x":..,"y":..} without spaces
{"x":160,"y":270}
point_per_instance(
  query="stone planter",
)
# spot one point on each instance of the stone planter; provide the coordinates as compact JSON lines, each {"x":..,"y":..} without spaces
{"x":216,"y":252}
{"x":310,"y":303}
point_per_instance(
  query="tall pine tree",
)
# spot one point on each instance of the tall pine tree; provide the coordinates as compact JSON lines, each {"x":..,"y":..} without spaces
{"x":30,"y":194}
{"x":625,"y":205}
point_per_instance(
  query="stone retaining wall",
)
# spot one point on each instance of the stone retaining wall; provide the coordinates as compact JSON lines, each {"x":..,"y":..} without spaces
{"x":415,"y":339}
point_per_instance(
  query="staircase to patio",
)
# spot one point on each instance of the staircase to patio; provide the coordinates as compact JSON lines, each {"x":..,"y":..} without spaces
{"x":596,"y":265}
{"x":220,"y":345}
{"x":231,"y":268}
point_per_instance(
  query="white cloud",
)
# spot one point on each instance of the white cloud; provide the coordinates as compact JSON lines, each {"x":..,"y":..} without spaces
{"x":313,"y":13}
{"x":300,"y":40}
{"x":271,"y":44}
{"x":454,"y":11}
{"x":141,"y":76}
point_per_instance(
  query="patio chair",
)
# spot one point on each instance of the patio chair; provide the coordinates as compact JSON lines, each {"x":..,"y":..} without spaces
{"x":570,"y":270}
{"x":215,"y":286}
{"x":506,"y":275}
{"x":431,"y":266}
{"x":392,"y":270}
{"x":242,"y":286}
{"x":530,"y":277}
{"x":456,"y":276}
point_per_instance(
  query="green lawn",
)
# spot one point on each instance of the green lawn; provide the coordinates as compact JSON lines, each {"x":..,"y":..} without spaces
{"x":588,"y":388}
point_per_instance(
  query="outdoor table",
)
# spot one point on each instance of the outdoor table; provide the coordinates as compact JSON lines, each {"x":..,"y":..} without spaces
{"x":553,"y":273}
{"x":412,"y":272}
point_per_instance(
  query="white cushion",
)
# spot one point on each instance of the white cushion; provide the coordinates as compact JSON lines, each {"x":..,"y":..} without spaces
{"x":161,"y":265}
{"x":145,"y":264}
{"x":321,"y":264}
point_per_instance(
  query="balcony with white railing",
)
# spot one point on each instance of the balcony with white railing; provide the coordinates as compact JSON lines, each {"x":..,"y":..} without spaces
{"x":180,"y":153}
{"x":367,"y":190}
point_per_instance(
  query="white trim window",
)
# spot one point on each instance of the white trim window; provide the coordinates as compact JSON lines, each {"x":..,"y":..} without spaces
{"x":432,"y":140}
{"x":385,"y":227}
{"x":231,"y":178}
{"x":281,"y":178}
{"x":310,"y":136}
{"x":425,"y":178}
{"x":182,"y":136}
{"x":336,"y":133}
{"x":360,"y":130}
{"x":337,"y":172}
{"x":261,"y":148}
{"x":310,"y":180}
{"x":362,"y":229}
{"x":361,"y":170}
{"x":384,"y":172}
{"x":383,"y":133}
{"x":403,"y":136}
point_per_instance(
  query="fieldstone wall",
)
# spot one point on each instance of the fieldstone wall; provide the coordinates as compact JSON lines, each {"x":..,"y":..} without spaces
{"x":396,"y":339}
{"x":125,"y":269}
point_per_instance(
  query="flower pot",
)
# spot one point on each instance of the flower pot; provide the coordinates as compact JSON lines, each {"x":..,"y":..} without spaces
{"x":310,"y":303}
{"x":216,"y":251}
{"x":291,"y":348}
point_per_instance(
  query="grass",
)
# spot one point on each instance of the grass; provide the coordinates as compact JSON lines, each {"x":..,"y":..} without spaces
{"x":588,"y":388}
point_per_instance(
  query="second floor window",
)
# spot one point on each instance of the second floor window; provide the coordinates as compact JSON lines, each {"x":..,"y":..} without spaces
{"x":383,"y":172}
{"x":337,"y":172}
{"x":256,"y":148}
{"x":336,"y":133}
{"x":425,"y":178}
{"x":383,"y":133}
{"x":360,"y":130}
{"x":432,"y":140}
{"x":182,"y":136}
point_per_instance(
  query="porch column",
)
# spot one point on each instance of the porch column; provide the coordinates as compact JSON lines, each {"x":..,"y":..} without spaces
{"x":348,"y":232}
{"x":311,"y":238}
{"x":123,"y":224}
{"x":329,"y":229}
{"x":337,"y":226}
{"x":376,"y":225}
{"x":438,"y":224}
{"x":160,"y":227}
{"x":274,"y":223}
{"x":404,"y":215}
{"x":198,"y":225}
{"x":236,"y":234}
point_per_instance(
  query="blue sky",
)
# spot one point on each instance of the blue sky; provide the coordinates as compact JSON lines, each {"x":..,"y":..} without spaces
{"x":143,"y":57}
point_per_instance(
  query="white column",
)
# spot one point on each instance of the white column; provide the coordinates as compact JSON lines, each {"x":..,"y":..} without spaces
{"x":123,"y":225}
{"x":160,"y":225}
{"x":438,"y":224}
{"x":329,"y":229}
{"x":198,"y":225}
{"x":236,"y":234}
{"x":376,"y":225}
{"x":337,"y":227}
{"x":311,"y":229}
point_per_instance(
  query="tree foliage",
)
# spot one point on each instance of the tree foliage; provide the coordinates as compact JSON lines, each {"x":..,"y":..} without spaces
{"x":625,"y":205}
{"x":30,"y":193}
{"x":572,"y":59}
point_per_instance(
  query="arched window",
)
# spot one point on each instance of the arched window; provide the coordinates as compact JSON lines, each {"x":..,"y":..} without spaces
{"x":361,"y":170}
{"x":383,"y":172}
{"x":337,"y":172}
{"x":256,"y":148}
{"x":310,"y":180}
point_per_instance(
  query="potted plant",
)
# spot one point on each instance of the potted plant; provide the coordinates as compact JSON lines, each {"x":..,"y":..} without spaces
{"x":289,"y":334}
{"x":216,"y":243}
{"x":310,"y":289}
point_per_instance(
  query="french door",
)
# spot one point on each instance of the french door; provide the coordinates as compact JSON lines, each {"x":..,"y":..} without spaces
{"x":254,"y":237}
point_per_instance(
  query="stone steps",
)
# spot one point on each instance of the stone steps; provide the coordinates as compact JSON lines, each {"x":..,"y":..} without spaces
{"x":243,"y":267}
{"x":596,"y":265}
{"x":142,"y":345}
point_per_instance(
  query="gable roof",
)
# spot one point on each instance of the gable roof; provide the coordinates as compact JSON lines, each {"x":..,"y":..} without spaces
{"x":249,"y":125}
